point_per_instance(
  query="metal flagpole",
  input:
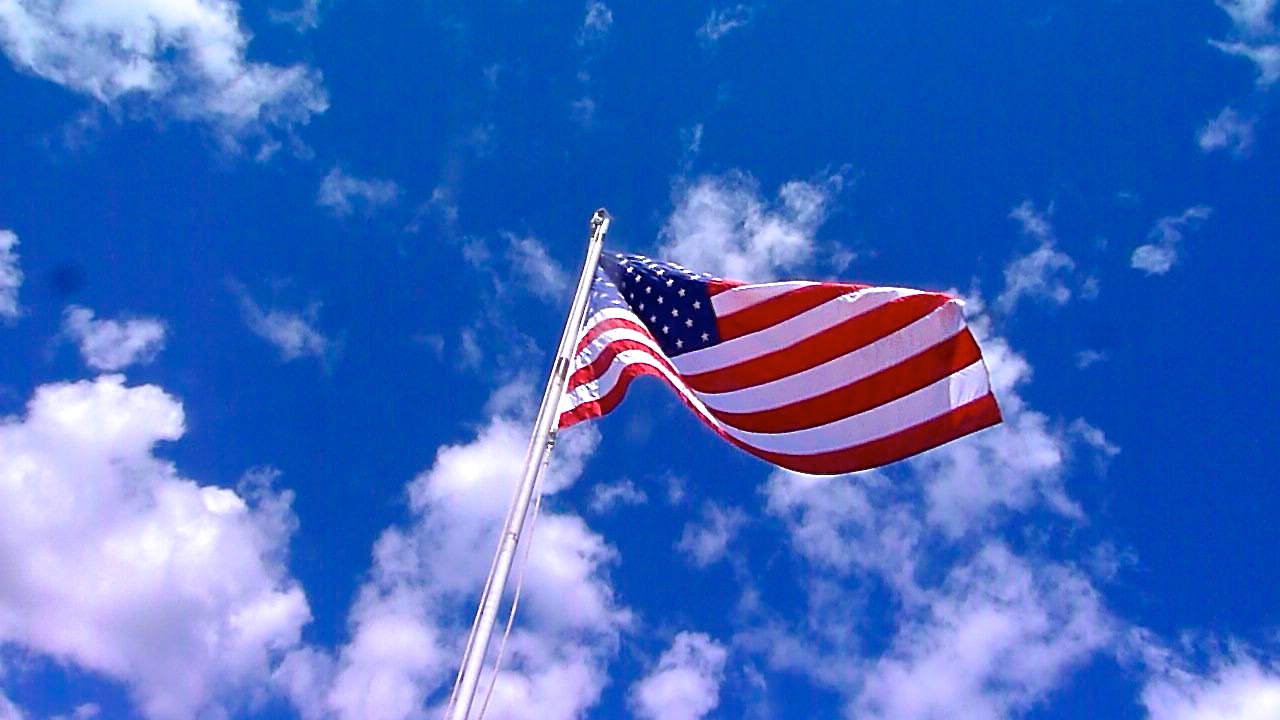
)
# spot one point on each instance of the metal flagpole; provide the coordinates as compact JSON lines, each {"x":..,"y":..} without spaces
{"x":544,"y":437}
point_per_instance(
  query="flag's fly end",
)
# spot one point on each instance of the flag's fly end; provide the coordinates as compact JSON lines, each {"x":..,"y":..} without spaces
{"x":817,"y":377}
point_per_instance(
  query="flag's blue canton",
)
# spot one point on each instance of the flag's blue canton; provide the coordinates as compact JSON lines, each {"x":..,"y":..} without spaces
{"x":671,"y":301}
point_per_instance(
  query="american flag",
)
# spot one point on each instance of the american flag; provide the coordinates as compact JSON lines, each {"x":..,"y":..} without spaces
{"x":817,"y":377}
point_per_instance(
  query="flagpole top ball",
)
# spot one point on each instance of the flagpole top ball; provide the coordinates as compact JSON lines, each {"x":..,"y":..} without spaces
{"x":600,"y":216}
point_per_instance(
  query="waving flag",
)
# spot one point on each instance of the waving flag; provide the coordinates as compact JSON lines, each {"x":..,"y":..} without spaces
{"x":820,"y":378}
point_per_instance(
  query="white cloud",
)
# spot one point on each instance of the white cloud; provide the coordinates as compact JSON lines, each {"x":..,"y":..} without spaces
{"x":725,"y":20}
{"x":607,"y":496}
{"x":112,"y":345}
{"x":1250,"y":16}
{"x":1085,"y":358}
{"x":1228,"y":131}
{"x":185,"y":56}
{"x":1259,"y":43}
{"x":303,"y":18}
{"x":596,"y":23}
{"x":10,"y":711}
{"x":342,"y":193}
{"x":997,"y":637}
{"x":686,"y":683}
{"x":292,"y":333}
{"x":117,"y":564}
{"x":583,"y":112}
{"x":412,"y":614}
{"x":1021,"y":462}
{"x":706,"y":541}
{"x":1039,"y":274}
{"x":1034,"y":222}
{"x":1158,"y":257}
{"x":1094,"y":438}
{"x":970,"y":623}
{"x":542,"y":276}
{"x":1238,"y":687}
{"x":1265,"y":57}
{"x":843,"y":524}
{"x":721,"y":225}
{"x":10,"y":276}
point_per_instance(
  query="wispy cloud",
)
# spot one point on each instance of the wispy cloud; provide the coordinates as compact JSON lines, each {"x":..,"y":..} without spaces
{"x":304,"y":17}
{"x":10,"y":276}
{"x":1257,"y":39}
{"x":1265,"y":56}
{"x":1228,"y":131}
{"x":1086,"y":358}
{"x":596,"y":24}
{"x":112,"y":345}
{"x":541,"y":275}
{"x":707,"y":540}
{"x":342,"y":194}
{"x":1250,"y":16}
{"x":1040,"y":273}
{"x":186,"y":58}
{"x":725,"y":20}
{"x":1160,"y":255}
{"x":293,"y":333}
{"x":607,"y":496}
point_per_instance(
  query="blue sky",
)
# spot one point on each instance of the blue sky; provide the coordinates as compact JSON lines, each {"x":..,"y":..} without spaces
{"x":279,"y":284}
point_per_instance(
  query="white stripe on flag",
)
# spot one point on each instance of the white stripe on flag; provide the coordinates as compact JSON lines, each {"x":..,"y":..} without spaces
{"x":788,"y":332}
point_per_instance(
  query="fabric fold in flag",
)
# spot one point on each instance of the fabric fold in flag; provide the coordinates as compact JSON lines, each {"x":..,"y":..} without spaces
{"x":817,"y":377}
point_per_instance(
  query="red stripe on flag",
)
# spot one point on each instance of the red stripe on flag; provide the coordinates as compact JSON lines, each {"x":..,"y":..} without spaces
{"x":606,"y":404}
{"x":948,"y":357}
{"x":600,"y":365}
{"x":778,"y":308}
{"x":835,"y":341}
{"x":604,"y":326}
{"x":956,"y":423}
{"x":715,"y":287}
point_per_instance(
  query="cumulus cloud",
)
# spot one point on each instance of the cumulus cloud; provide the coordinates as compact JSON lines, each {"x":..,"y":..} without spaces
{"x":721,"y":224}
{"x":1038,"y":274}
{"x":685,"y":685}
{"x":1159,"y":256}
{"x":186,"y":57}
{"x":976,"y":624}
{"x":410,"y":618}
{"x":994,"y":639}
{"x":725,"y":20}
{"x":1237,"y":686}
{"x":596,"y":23}
{"x":706,"y":541}
{"x":10,"y":276}
{"x":292,"y":333}
{"x":1228,"y":131}
{"x":342,"y":194}
{"x":112,"y":345}
{"x":117,"y":564}
{"x":1020,"y":463}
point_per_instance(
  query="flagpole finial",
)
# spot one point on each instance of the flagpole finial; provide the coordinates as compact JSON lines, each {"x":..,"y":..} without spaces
{"x":600,"y":216}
